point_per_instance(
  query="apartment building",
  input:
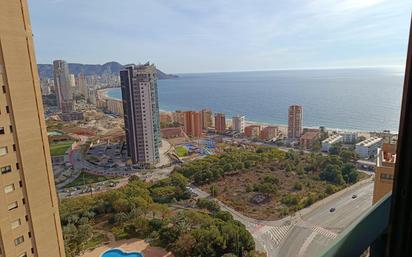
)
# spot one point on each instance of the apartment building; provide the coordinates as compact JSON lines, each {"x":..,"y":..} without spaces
{"x":269,"y":132}
{"x":238,"y":123}
{"x":207,"y":118}
{"x":384,"y":172}
{"x":193,"y":123}
{"x":252,"y":131}
{"x":141,"y":113}
{"x":330,"y":141}
{"x":62,"y":84}
{"x":295,"y":122}
{"x":368,"y":148}
{"x":29,"y":213}
{"x":308,"y":139}
{"x":220,"y":122}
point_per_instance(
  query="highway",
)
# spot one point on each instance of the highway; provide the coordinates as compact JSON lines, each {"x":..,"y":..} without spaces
{"x":310,"y":230}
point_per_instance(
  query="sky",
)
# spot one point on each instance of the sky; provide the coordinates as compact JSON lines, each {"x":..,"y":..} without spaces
{"x":185,"y":36}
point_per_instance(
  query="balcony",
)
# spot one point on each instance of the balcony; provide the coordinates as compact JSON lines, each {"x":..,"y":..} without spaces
{"x":368,"y":230}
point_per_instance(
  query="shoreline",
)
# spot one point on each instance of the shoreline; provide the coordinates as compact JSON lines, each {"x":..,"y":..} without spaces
{"x":104,"y":94}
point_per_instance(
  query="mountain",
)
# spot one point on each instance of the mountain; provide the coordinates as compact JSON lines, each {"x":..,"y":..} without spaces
{"x":46,"y":70}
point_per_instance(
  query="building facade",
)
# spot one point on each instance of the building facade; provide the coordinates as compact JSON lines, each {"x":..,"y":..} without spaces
{"x":29,"y":214}
{"x":220,"y":122}
{"x":269,"y":132}
{"x":307,"y":139}
{"x":141,"y":113}
{"x":330,"y":141}
{"x":165,"y":117}
{"x":178,"y":117}
{"x":252,"y":131}
{"x":62,"y":84}
{"x":384,"y":172}
{"x":193,"y":123}
{"x":295,"y":122}
{"x":349,"y":137}
{"x":369,"y":147}
{"x":207,"y":118}
{"x":238,"y":123}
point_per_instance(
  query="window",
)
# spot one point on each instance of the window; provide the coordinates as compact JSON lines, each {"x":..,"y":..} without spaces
{"x":5,"y":169}
{"x":12,"y":206}
{"x":386,"y":176}
{"x":18,"y":240}
{"x":7,"y":109}
{"x":11,"y":129}
{"x":1,"y":130}
{"x":9,"y":188}
{"x":4,"y":88}
{"x":3,"y":150}
{"x":15,"y":223}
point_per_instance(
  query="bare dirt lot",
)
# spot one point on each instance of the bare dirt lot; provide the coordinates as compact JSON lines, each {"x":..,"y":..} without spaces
{"x":289,"y":191}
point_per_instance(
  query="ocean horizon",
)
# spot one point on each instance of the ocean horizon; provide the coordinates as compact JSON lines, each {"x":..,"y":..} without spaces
{"x":360,"y":99}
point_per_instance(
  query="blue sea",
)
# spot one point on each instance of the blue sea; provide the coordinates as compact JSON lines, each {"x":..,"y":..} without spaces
{"x":366,"y":99}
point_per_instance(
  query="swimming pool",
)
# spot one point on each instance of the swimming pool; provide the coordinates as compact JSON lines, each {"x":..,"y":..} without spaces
{"x":120,"y":253}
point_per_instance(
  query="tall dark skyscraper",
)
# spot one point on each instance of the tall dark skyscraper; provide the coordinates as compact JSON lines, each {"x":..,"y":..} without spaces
{"x":64,"y":93}
{"x":141,"y":113}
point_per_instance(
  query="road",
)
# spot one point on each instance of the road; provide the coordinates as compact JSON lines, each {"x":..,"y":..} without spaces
{"x":310,"y":230}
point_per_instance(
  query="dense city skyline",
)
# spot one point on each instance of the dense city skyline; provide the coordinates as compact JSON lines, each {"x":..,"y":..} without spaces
{"x":272,"y":35}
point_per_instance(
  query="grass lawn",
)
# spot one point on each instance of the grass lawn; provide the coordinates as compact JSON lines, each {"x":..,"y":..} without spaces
{"x":181,"y":151}
{"x":86,"y":178}
{"x":60,"y":148}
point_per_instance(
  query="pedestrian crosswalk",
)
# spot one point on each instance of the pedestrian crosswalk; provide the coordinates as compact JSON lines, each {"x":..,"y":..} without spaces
{"x":277,"y":234}
{"x":324,"y":232}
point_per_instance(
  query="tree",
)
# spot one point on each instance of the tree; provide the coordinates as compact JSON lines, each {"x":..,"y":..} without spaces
{"x":214,"y":191}
{"x":290,"y":200}
{"x":334,"y":150}
{"x":224,"y":215}
{"x":159,"y":210}
{"x":121,"y":205}
{"x":347,"y":155}
{"x":330,"y":189}
{"x":209,"y":205}
{"x":332,"y":174}
{"x":349,"y":173}
{"x":184,"y":246}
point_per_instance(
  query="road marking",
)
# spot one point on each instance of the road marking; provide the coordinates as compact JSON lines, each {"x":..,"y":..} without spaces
{"x":307,"y":242}
{"x":325,"y":232}
{"x":277,"y":234}
{"x":322,"y":231}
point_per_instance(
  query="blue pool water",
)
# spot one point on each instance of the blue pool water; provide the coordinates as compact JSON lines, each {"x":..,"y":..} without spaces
{"x":120,"y":253}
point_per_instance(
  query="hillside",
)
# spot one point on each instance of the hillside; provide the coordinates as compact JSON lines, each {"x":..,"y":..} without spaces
{"x":46,"y":70}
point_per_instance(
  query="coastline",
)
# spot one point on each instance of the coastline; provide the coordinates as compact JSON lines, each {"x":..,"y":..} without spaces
{"x":103,"y":94}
